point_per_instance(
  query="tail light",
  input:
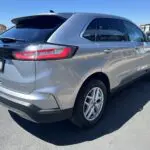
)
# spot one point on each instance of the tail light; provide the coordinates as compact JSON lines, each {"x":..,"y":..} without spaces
{"x":45,"y":52}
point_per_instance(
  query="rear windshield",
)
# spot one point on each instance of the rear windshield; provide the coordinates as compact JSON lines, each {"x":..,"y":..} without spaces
{"x":35,"y":29}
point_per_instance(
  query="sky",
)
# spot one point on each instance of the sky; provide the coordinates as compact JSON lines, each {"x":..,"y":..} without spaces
{"x":136,"y":10}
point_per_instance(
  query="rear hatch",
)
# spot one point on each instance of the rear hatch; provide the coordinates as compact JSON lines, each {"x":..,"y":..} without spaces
{"x":20,"y":75}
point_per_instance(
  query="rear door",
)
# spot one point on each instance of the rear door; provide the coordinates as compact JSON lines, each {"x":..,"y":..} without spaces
{"x":20,"y":75}
{"x":122,"y":61}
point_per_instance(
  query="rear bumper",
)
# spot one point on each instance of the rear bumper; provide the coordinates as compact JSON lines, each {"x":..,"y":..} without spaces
{"x":36,"y":107}
{"x":35,"y":114}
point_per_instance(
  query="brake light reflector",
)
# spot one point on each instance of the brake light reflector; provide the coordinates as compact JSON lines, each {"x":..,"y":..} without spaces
{"x":45,"y":53}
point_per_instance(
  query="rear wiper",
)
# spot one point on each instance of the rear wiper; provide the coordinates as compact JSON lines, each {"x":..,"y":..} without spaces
{"x":8,"y":39}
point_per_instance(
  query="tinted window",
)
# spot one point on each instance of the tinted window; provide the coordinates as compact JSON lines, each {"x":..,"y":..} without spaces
{"x":106,"y":29}
{"x":35,"y":29}
{"x":111,"y":30}
{"x":135,"y":34}
{"x":91,"y":30}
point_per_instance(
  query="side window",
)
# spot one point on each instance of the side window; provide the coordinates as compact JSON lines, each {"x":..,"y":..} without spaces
{"x":135,"y":34}
{"x":90,"y":32}
{"x":110,"y":29}
{"x":106,"y":30}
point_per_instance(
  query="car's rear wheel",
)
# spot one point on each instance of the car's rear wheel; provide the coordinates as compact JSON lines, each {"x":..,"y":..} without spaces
{"x":90,"y":104}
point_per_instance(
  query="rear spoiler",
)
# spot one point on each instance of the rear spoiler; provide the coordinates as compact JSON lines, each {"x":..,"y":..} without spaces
{"x":61,"y":15}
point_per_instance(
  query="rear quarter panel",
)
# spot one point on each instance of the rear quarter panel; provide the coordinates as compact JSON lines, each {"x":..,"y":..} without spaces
{"x":63,"y":78}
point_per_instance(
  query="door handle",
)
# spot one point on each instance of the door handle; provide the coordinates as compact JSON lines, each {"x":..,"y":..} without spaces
{"x":107,"y":50}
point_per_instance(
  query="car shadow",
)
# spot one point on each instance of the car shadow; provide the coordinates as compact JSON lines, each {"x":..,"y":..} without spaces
{"x":121,"y":108}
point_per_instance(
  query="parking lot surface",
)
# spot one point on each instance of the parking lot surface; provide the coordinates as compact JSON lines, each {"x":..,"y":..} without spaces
{"x":125,"y":126}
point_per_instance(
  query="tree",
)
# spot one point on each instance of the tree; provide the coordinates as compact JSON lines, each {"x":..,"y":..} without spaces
{"x":2,"y":27}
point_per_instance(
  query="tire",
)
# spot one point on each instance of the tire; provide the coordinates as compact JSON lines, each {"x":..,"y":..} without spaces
{"x":79,"y":117}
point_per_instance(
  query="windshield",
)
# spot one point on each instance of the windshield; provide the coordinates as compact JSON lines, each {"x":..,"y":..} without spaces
{"x":36,"y":29}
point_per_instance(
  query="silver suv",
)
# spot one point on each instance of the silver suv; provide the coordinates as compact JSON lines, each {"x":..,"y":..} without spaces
{"x":64,"y":65}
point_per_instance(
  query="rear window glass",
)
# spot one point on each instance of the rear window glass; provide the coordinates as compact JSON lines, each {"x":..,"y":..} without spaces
{"x":34,"y":29}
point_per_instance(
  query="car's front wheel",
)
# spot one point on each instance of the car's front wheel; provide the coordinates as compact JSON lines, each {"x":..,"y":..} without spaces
{"x":90,"y":103}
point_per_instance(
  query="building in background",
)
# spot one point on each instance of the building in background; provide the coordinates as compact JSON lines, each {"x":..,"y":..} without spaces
{"x":2,"y":28}
{"x":145,"y":27}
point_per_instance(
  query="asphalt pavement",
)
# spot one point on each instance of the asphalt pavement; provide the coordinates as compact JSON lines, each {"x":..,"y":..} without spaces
{"x":125,"y":126}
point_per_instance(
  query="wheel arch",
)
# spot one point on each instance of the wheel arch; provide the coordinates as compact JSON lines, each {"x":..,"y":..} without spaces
{"x":98,"y":75}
